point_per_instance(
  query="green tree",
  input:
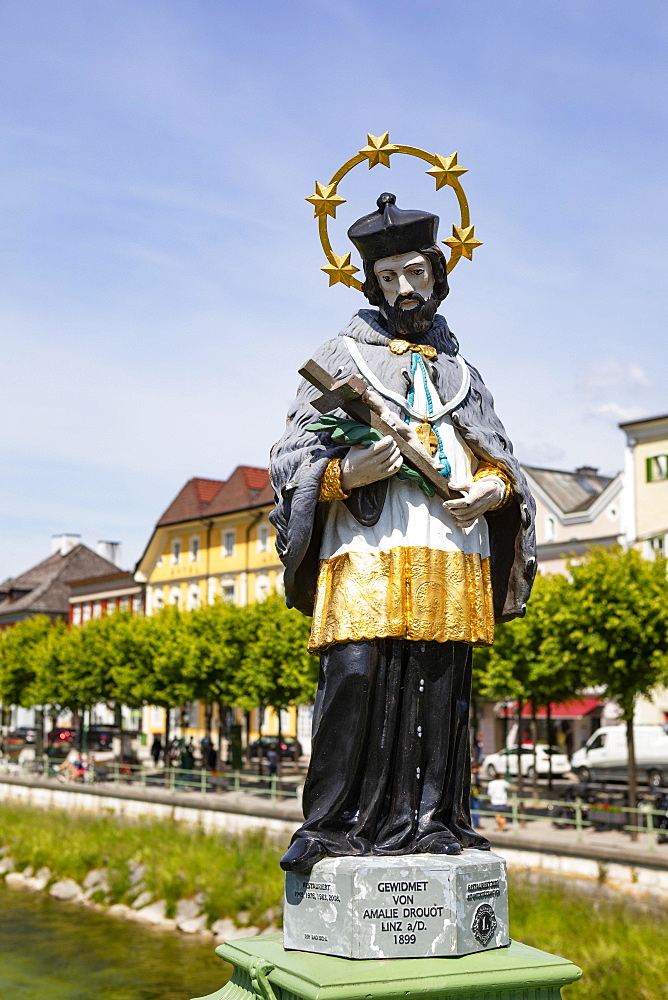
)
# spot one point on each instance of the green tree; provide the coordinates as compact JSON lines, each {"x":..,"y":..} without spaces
{"x":24,"y":650}
{"x":613,"y":626}
{"x":526,"y":663}
{"x":167,"y":683}
{"x":218,"y":634}
{"x":276,"y":669}
{"x":19,"y":659}
{"x":133,"y":664}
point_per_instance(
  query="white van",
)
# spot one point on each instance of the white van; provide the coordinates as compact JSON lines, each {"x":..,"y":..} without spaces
{"x":605,"y":755}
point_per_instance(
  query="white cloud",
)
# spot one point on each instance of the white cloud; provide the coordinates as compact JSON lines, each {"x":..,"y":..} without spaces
{"x":614,"y":413}
{"x":613,"y":373}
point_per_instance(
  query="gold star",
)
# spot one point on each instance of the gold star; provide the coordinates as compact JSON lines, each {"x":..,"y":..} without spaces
{"x":342,"y":270}
{"x":462,"y":242}
{"x":378,"y":149}
{"x":325,"y":201}
{"x":446,"y":170}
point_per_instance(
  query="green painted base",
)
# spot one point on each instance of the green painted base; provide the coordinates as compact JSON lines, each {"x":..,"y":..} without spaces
{"x":263,"y":970}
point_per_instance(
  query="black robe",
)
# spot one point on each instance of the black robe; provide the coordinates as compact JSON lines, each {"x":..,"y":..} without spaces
{"x":389,"y":768}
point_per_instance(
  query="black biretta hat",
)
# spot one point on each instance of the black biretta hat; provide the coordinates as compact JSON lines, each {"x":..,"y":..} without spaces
{"x":393,"y":230}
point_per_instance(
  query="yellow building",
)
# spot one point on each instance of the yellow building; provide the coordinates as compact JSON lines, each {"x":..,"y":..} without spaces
{"x":214,"y":542}
{"x":646,"y":485}
{"x":646,"y":517}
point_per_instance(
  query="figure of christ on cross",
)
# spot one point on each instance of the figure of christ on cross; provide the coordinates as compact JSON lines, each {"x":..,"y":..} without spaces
{"x":403,"y":575}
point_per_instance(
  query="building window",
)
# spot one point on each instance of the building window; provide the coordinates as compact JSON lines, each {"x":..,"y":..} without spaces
{"x":550,"y":529}
{"x":262,"y":587}
{"x":176,"y":551}
{"x":87,"y":611}
{"x":656,"y":547}
{"x":657,"y":468}
{"x":97,"y":609}
{"x":175,"y":596}
{"x":228,"y":543}
{"x":194,"y":548}
{"x":137,"y":605}
{"x":124,"y":604}
{"x":111,"y":605}
{"x":193,"y":597}
{"x":158,"y":600}
{"x":76,"y":614}
{"x":228,"y":593}
{"x":263,"y":538}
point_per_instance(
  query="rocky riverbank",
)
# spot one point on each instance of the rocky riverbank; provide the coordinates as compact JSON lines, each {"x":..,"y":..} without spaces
{"x":154,"y":873}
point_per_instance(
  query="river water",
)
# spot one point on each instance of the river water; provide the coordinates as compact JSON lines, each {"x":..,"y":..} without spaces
{"x":61,"y":951}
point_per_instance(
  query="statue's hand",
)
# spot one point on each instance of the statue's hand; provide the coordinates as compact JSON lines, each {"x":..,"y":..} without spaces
{"x":363,"y":466}
{"x":477,"y":498}
{"x":407,"y":432}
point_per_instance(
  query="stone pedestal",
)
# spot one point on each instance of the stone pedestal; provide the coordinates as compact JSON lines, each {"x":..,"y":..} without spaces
{"x":413,"y":906}
{"x":263,"y":970}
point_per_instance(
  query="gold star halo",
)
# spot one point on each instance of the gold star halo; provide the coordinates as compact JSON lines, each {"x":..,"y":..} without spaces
{"x":444,"y":169}
{"x":462,"y":242}
{"x":325,"y":201}
{"x":378,"y":149}
{"x":340,"y":269}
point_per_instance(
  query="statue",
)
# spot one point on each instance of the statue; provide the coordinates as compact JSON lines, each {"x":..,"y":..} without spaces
{"x":401,"y":583}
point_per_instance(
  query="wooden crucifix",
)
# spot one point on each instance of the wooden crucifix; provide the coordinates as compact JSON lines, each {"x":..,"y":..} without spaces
{"x":360,"y":402}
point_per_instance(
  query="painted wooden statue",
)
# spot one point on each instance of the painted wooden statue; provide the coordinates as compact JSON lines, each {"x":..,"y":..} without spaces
{"x":400,"y":582}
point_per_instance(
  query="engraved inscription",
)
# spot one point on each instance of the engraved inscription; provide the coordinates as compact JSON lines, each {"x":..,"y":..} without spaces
{"x":322,"y":892}
{"x":400,"y":918}
{"x":482,"y":890}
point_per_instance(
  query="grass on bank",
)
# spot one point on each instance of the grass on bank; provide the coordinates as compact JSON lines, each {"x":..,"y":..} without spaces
{"x":238,"y":877}
{"x":622,"y":945}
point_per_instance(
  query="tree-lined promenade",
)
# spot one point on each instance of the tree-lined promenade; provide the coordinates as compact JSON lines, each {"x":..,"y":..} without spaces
{"x":217,"y":655}
{"x":604,"y":627}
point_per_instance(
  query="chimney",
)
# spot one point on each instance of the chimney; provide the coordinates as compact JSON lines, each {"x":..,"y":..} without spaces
{"x":64,"y":543}
{"x":110,"y":551}
{"x":587,"y":470}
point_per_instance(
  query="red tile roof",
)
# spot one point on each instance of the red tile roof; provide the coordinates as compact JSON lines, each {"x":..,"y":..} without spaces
{"x":248,"y":486}
{"x":192,"y":501}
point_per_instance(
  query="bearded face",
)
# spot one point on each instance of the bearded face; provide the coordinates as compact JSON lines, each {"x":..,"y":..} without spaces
{"x":407,"y":283}
{"x":411,"y":315}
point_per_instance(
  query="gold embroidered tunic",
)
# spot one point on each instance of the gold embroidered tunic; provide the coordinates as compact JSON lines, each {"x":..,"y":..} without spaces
{"x":416,"y":573}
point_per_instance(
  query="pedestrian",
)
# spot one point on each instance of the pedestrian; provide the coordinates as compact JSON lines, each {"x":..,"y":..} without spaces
{"x":186,"y":764}
{"x":475,"y":798}
{"x":156,"y":748}
{"x":272,"y":759}
{"x":497,"y":791}
{"x":478,"y":747}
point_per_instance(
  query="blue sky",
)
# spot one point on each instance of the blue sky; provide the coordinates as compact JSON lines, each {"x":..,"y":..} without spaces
{"x":160,"y":279}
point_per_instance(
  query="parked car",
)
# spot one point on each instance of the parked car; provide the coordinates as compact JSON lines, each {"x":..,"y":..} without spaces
{"x":62,"y":736}
{"x":604,"y":757}
{"x":98,"y":738}
{"x":505,"y":761}
{"x":289,"y":747}
{"x":25,"y":733}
